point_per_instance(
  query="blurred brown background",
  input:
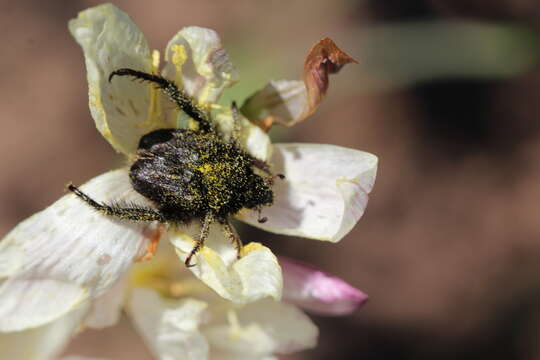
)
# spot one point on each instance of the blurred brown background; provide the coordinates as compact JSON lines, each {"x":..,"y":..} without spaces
{"x":446,"y":94}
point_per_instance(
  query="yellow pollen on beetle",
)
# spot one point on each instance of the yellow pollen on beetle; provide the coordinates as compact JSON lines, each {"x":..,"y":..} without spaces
{"x":206,"y":168}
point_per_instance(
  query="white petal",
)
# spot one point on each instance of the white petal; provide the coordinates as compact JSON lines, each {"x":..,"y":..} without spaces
{"x":44,"y":342}
{"x":107,"y":308}
{"x":123,"y":109}
{"x":261,"y":329}
{"x":289,"y":102}
{"x":254,"y":276}
{"x":285,"y":101}
{"x":68,"y":253}
{"x":77,"y":357}
{"x":324,"y":194}
{"x":236,"y":356}
{"x":247,"y":342}
{"x":170,"y":329}
{"x":207,"y":69}
{"x":290,"y":329}
{"x":255,"y":141}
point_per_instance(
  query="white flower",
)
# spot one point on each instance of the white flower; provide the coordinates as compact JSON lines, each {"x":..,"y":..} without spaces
{"x":60,"y":262}
{"x":218,"y":329}
{"x":180,"y":318}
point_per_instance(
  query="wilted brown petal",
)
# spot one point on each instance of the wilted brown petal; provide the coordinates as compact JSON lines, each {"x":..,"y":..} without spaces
{"x":323,"y":59}
{"x":289,"y":102}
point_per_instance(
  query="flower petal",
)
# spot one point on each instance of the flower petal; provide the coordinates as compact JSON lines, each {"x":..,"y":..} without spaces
{"x":246,"y":356}
{"x":170,"y":329}
{"x":68,"y":253}
{"x":44,"y":342}
{"x":323,"y":59}
{"x":197,"y":60}
{"x":107,"y":308}
{"x":324,"y":194}
{"x":318,"y":291}
{"x":254,"y":276}
{"x":260,"y":329}
{"x":282,"y":101}
{"x":289,"y":102}
{"x":123,"y":110}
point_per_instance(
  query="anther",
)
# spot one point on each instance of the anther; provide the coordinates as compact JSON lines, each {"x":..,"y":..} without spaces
{"x":260,"y":219}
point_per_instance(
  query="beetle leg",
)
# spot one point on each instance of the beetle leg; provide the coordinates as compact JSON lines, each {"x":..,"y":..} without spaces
{"x":231,"y":233}
{"x":133,"y":213}
{"x":202,"y":237}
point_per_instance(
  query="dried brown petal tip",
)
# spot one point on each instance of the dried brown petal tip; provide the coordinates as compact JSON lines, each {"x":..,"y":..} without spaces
{"x":324,"y":58}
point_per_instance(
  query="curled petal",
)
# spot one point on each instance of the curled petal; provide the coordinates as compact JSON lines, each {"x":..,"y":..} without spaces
{"x":317,"y":291}
{"x":123,"y":110}
{"x":67,"y":254}
{"x":260,"y":329}
{"x":281,"y":101}
{"x":254,"y":276}
{"x":197,"y":60}
{"x":324,"y":193}
{"x":43,"y":342}
{"x":169,"y":328}
{"x":289,"y":102}
{"x":323,"y":59}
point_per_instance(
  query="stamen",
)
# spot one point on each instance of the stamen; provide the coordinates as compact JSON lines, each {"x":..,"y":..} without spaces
{"x":260,"y":219}
{"x":154,"y":236}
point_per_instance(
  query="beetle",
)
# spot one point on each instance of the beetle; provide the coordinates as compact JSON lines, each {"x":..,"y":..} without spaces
{"x":191,"y":174}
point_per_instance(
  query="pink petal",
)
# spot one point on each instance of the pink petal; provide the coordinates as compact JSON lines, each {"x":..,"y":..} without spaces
{"x":318,"y":291}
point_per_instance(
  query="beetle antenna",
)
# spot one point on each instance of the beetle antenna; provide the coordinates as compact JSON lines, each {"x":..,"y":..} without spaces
{"x":179,"y":97}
